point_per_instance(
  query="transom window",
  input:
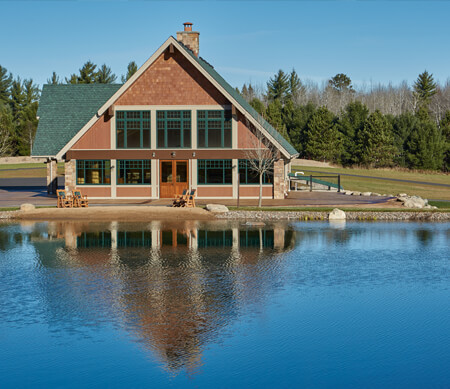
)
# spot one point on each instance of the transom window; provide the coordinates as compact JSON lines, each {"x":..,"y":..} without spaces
{"x":214,"y":171}
{"x":93,"y":172}
{"x":134,"y":172}
{"x":133,"y":129}
{"x":174,"y":129}
{"x":214,"y":129}
{"x":247,"y":175}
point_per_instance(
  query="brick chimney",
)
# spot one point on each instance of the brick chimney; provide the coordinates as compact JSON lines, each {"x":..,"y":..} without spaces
{"x":189,"y":38}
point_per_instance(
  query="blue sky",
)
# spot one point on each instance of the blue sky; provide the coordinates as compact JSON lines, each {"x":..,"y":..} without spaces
{"x":371,"y":41}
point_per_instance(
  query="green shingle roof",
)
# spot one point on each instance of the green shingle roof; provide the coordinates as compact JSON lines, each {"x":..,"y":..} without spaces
{"x":64,"y":110}
{"x":237,"y":96}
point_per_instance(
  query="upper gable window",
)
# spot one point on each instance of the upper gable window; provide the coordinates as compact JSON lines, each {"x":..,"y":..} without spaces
{"x":214,"y":129}
{"x":133,"y":129}
{"x":174,"y":129}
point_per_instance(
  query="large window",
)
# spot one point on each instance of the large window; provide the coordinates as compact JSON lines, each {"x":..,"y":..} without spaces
{"x":174,"y":129}
{"x":93,"y":172}
{"x":214,"y":171}
{"x":133,"y":129}
{"x":134,"y":172}
{"x":214,"y":129}
{"x":247,"y":175}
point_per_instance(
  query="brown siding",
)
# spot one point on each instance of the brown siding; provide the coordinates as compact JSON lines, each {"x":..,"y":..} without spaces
{"x":172,"y":80}
{"x":134,"y":191}
{"x":101,"y":191}
{"x":253,"y":191}
{"x":97,"y":137}
{"x":216,"y":191}
{"x":246,"y":139}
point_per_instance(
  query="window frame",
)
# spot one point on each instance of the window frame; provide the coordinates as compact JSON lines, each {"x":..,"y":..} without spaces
{"x":103,"y":168}
{"x":206,"y":161}
{"x":223,"y":119}
{"x":141,"y":120}
{"x":165,"y":120}
{"x":247,"y":168}
{"x":143,"y":167}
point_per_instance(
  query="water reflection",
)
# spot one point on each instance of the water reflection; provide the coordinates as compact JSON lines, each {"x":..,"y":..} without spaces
{"x":175,"y":287}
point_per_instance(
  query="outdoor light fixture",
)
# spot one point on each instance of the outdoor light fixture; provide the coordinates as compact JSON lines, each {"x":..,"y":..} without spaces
{"x":173,"y":154}
{"x":153,"y":154}
{"x":193,"y":154}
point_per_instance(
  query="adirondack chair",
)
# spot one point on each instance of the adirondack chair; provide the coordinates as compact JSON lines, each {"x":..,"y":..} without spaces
{"x":64,"y":201}
{"x":79,"y":200}
{"x":179,"y":199}
{"x":190,"y":201}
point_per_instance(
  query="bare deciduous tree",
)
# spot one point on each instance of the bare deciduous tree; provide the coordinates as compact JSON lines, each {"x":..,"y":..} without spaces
{"x":261,"y":155}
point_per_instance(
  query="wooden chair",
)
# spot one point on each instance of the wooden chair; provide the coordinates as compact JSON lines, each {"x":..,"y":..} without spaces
{"x":79,"y":200}
{"x":180,"y":199}
{"x":64,"y":201}
{"x":190,"y":201}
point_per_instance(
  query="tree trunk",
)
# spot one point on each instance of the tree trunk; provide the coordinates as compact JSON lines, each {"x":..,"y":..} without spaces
{"x":260,"y":190}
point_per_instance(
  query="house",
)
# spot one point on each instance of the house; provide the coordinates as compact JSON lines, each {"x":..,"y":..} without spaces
{"x":175,"y":124}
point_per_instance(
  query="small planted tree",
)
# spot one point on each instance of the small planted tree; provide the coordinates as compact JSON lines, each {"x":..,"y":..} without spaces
{"x":261,"y":156}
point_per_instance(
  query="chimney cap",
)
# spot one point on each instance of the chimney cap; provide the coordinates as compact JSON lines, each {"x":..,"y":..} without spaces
{"x":187,"y":26}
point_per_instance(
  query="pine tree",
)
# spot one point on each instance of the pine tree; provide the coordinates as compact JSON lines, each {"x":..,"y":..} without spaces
{"x":88,"y":75}
{"x":7,"y":130}
{"x":259,"y":106}
{"x":18,"y":98}
{"x":444,"y":125}
{"x":340,"y":83}
{"x":376,"y":142}
{"x":296,"y":87}
{"x":54,"y":79}
{"x":5,"y":85}
{"x":403,"y":125}
{"x":424,"y":88}
{"x":324,"y":141}
{"x":350,"y":124}
{"x":244,"y":92}
{"x":278,"y":87}
{"x":275,"y":118}
{"x":131,"y":69}
{"x":298,"y":126}
{"x":105,"y":75}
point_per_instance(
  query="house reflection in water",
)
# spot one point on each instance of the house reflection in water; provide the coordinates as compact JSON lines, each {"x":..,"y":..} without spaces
{"x":180,"y":285}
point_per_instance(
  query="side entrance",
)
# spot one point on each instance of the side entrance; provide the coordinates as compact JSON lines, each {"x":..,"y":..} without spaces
{"x":173,"y":178}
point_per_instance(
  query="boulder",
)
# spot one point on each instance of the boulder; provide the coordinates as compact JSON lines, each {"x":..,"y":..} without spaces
{"x":27,"y":207}
{"x":415,"y":202}
{"x":376,"y":194}
{"x":366,"y":194}
{"x":428,"y":206}
{"x":337,"y":214}
{"x":356,"y":193}
{"x":402,"y":195}
{"x":216,"y":208}
{"x":348,"y":192}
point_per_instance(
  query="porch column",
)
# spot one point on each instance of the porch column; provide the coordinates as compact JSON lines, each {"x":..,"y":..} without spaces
{"x":70,"y":175}
{"x":279,"y":182}
{"x":52,"y":176}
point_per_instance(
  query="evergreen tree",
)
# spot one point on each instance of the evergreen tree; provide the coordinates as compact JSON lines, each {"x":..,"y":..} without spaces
{"x":350,"y":124}
{"x":376,"y":142}
{"x":324,"y":141}
{"x":444,"y":125}
{"x":425,"y":146}
{"x":259,"y":106}
{"x":18,"y":98}
{"x":251,"y":92}
{"x":278,"y":87}
{"x":296,"y":87}
{"x":244,"y":92}
{"x":298,"y":126}
{"x":54,"y":79}
{"x":6,"y":130}
{"x":5,"y":85}
{"x":131,"y":69}
{"x":105,"y":75}
{"x":88,"y":75}
{"x":340,"y":83}
{"x":424,"y":88}
{"x":274,"y":114}
{"x":403,"y":125}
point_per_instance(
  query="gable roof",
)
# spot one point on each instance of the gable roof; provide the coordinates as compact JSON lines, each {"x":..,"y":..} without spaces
{"x":64,"y":110}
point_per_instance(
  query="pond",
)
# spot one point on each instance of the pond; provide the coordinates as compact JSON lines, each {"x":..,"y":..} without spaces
{"x":224,"y":305}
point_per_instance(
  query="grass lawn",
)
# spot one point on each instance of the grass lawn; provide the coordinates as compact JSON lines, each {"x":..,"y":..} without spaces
{"x":349,"y":209}
{"x":26,"y":170}
{"x":362,"y":184}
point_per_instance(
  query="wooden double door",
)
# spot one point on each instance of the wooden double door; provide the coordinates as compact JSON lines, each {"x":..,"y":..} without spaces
{"x":173,"y":178}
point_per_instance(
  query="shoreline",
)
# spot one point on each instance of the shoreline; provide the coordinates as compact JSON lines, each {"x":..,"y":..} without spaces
{"x":146,"y":213}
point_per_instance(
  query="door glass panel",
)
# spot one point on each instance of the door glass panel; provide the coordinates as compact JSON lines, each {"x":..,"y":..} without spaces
{"x":166,"y":171}
{"x":181,"y":171}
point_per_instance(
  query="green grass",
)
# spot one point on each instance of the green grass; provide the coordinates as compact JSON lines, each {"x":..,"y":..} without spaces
{"x":362,"y":184}
{"x":9,"y":209}
{"x":329,"y":209}
{"x":440,"y":204}
{"x":26,"y":170}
